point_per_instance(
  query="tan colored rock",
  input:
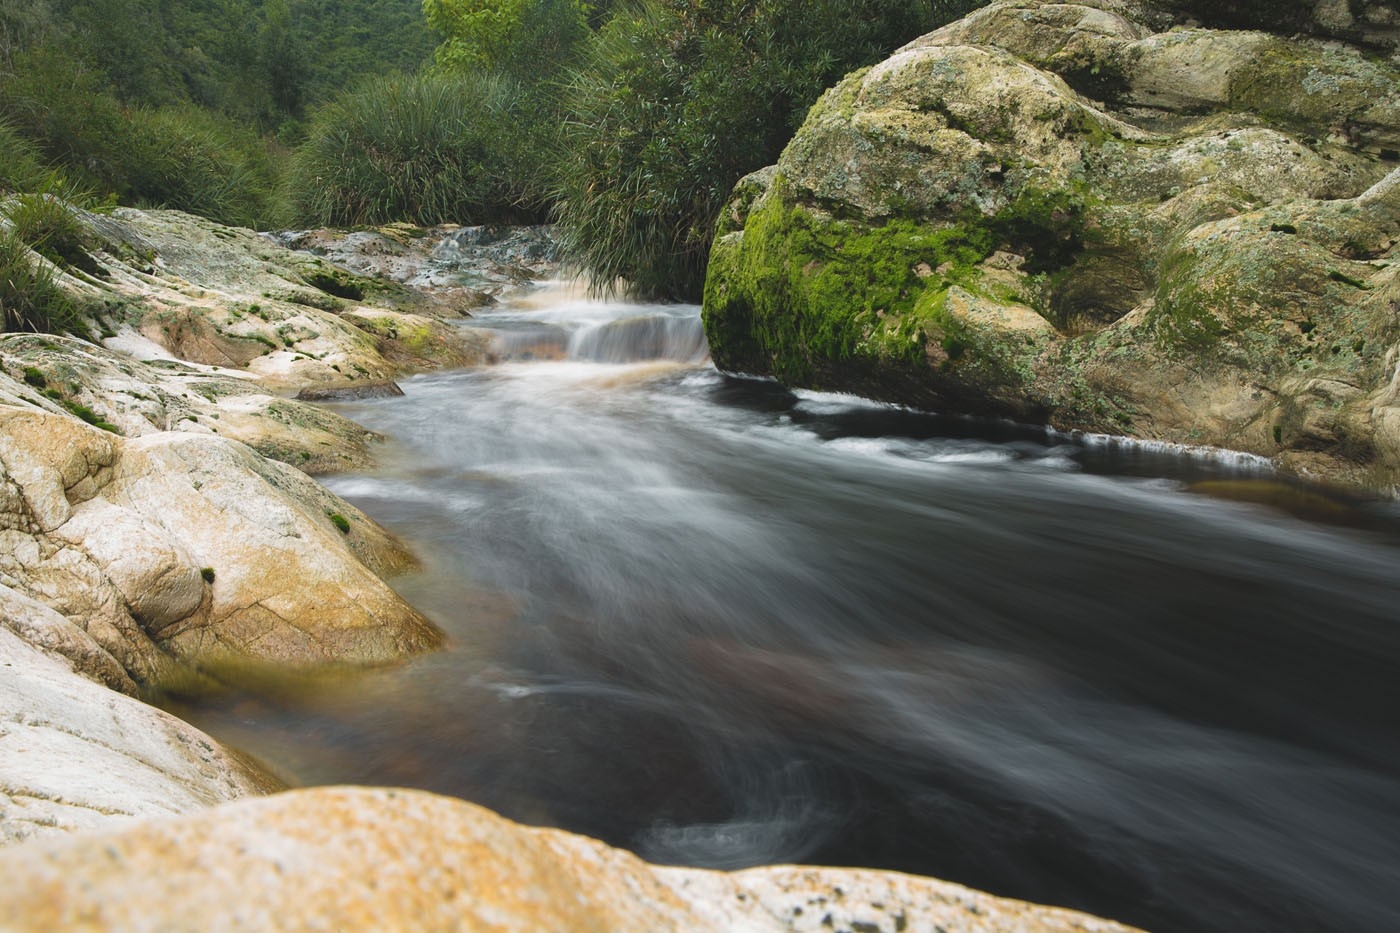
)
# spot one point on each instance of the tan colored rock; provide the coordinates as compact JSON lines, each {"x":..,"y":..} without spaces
{"x":159,"y":393}
{"x":287,"y":586}
{"x":226,"y":297}
{"x":196,"y":547}
{"x":415,"y":342}
{"x":365,"y":859}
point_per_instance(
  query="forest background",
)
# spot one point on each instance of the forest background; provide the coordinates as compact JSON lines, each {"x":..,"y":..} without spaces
{"x":627,"y":122}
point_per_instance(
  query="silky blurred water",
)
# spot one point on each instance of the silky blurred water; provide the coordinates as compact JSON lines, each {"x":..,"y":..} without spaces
{"x":724,"y":624}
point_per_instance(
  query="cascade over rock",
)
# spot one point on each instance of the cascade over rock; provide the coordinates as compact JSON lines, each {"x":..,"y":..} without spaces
{"x":1056,"y":213}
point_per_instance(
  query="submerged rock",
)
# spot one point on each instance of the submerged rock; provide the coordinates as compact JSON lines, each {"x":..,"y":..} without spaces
{"x":1055,"y":213}
{"x":368,"y":859}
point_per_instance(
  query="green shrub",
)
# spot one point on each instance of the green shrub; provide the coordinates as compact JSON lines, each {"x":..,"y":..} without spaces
{"x":21,"y":166}
{"x":49,"y":226}
{"x":196,"y":161}
{"x":30,"y":297}
{"x":678,"y":99}
{"x":425,"y":149}
{"x":525,"y":39}
{"x":179,"y":157}
{"x":64,"y":108}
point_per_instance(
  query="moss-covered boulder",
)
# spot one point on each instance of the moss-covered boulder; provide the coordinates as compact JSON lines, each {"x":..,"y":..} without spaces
{"x":1053,"y":212}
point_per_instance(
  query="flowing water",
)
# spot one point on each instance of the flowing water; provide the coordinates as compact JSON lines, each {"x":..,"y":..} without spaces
{"x":725,"y":624}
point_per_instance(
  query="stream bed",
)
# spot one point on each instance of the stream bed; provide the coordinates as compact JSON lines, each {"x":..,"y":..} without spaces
{"x":724,"y":624}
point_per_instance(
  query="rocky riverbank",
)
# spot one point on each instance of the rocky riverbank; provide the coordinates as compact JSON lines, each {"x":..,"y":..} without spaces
{"x":1101,"y":216}
{"x":159,"y":527}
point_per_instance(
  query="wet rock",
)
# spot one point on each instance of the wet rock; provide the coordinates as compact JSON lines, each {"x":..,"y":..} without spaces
{"x":414,"y":342}
{"x":75,"y":755}
{"x":355,"y":390}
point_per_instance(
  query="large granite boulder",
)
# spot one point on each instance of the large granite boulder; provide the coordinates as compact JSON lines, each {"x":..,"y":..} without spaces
{"x":1054,"y":213}
{"x":354,"y":859}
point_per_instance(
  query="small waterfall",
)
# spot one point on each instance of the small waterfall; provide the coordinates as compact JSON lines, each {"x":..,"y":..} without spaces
{"x":598,"y":332}
{"x":532,"y":343}
{"x":642,"y":338}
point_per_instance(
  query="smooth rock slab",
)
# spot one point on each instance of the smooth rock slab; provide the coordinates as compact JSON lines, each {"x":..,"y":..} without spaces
{"x":75,"y":755}
{"x":370,"y":859}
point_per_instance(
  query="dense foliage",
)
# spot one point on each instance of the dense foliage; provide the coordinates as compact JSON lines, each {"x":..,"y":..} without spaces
{"x":526,"y":39}
{"x":30,"y":299}
{"x":262,"y":60}
{"x":21,"y":165}
{"x":41,"y":236}
{"x":632,"y":119}
{"x":188,"y":103}
{"x":428,"y":149}
{"x":678,"y":99}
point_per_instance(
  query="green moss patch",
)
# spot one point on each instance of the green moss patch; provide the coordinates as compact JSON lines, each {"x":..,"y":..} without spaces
{"x":799,"y":291}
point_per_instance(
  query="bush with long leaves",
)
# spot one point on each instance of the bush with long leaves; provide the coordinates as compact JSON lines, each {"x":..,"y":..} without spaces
{"x":178,"y":157}
{"x":428,"y":149}
{"x":21,"y":167}
{"x":197,"y":161}
{"x":30,"y":296}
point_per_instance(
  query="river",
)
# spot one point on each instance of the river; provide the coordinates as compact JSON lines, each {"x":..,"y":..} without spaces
{"x":725,"y":624}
